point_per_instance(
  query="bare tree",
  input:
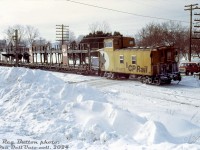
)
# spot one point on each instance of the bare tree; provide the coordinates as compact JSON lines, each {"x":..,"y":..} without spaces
{"x":21,"y":32}
{"x":10,"y":32}
{"x":167,"y":33}
{"x":104,"y":27}
{"x":72,"y":36}
{"x":151,"y":35}
{"x":32,"y":33}
{"x":93,"y":27}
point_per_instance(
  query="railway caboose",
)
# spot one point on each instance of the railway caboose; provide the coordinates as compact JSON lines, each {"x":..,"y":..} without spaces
{"x":155,"y":65}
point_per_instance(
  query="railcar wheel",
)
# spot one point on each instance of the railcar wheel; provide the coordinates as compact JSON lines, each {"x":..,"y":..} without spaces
{"x":102,"y":73}
{"x":126,"y":76}
{"x":169,"y":81}
{"x":113,"y":76}
{"x":149,"y":80}
{"x":158,"y":81}
{"x":144,"y":80}
{"x":105,"y":74}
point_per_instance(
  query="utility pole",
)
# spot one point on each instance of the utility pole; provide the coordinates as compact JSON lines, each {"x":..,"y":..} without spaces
{"x":190,"y":8}
{"x":63,"y":33}
{"x":15,"y":38}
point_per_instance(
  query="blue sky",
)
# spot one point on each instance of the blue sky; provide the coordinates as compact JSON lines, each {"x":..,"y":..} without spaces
{"x":45,"y":14}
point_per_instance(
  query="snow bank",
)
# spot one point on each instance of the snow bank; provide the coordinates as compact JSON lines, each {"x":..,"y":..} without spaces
{"x":37,"y":105}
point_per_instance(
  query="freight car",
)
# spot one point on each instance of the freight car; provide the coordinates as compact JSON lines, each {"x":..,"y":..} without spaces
{"x":151,"y":65}
{"x":118,"y":58}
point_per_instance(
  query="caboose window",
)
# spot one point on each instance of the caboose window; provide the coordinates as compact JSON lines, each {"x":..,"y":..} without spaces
{"x":131,"y":42}
{"x":169,"y":55}
{"x":133,"y":59}
{"x":121,"y":59}
{"x":108,"y":44}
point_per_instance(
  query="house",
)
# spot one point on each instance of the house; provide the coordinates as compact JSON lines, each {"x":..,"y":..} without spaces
{"x":2,"y":50}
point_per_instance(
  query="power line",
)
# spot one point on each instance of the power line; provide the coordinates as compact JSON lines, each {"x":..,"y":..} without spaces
{"x":119,"y":11}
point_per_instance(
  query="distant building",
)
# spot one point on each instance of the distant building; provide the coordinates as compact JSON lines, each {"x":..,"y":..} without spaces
{"x":95,"y":43}
{"x":2,"y":45}
{"x":2,"y":50}
{"x":92,"y":43}
{"x":8,"y":51}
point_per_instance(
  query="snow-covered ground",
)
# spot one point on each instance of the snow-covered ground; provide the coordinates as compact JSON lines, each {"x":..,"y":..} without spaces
{"x":49,"y":110}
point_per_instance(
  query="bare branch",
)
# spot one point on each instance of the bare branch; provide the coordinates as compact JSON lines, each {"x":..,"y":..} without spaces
{"x":32,"y":34}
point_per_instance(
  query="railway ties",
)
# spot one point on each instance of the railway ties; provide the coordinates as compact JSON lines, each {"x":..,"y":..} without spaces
{"x":145,"y":92}
{"x":99,"y":83}
{"x":129,"y":87}
{"x":142,"y":90}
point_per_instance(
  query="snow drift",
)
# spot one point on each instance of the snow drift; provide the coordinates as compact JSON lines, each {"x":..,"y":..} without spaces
{"x":38,"y":105}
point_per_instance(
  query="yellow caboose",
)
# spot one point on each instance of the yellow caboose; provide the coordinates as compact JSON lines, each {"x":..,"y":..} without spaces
{"x":151,"y":65}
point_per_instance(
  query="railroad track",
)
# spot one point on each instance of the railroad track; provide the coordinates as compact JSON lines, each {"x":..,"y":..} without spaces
{"x":167,"y":96}
{"x":105,"y":83}
{"x":136,"y":88}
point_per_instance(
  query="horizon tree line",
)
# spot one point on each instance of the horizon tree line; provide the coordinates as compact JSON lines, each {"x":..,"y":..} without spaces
{"x":153,"y":34}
